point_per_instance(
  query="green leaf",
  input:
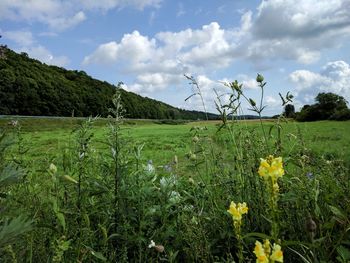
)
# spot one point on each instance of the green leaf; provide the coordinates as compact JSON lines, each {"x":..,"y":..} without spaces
{"x":96,"y":254}
{"x":337,"y":212}
{"x":61,"y":220}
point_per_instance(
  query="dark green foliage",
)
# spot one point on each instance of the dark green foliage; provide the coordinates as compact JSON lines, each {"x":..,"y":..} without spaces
{"x":328,"y":106}
{"x":289,"y":111}
{"x":29,"y":87}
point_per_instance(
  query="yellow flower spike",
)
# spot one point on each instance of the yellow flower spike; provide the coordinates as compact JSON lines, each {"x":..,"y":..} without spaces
{"x":234,"y":212}
{"x":237,"y":210}
{"x":267,"y":246}
{"x":260,"y":254}
{"x":271,"y":167}
{"x":242,"y":207}
{"x":277,"y":253}
{"x":263,"y":252}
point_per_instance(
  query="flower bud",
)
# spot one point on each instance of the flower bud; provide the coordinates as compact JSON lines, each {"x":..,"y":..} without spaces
{"x":259,"y":78}
{"x":252,"y":102}
{"x":53,"y":168}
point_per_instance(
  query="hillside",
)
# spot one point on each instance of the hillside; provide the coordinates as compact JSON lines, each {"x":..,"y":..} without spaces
{"x":29,"y":87}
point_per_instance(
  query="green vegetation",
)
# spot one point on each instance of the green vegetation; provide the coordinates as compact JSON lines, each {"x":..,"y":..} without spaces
{"x":115,"y":190}
{"x":328,"y":106}
{"x":186,"y":194}
{"x":29,"y":87}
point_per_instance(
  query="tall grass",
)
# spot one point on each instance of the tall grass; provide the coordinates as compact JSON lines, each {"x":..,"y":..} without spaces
{"x":89,"y":204}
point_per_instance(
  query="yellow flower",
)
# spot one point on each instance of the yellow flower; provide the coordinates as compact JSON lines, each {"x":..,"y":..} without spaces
{"x":262,"y":252}
{"x":237,"y":210}
{"x":277,"y":254}
{"x":271,"y":167}
{"x":259,"y":252}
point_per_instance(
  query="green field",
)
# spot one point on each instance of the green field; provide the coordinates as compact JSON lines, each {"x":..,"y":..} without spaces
{"x":162,"y":141}
{"x":106,"y":202}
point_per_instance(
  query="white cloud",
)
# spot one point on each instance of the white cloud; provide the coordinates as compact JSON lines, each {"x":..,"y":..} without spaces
{"x":334,"y":77}
{"x":297,"y":31}
{"x":26,"y":42}
{"x":170,"y":54}
{"x":133,"y":48}
{"x":62,"y":23}
{"x":20,"y":37}
{"x":279,"y":30}
{"x":111,"y":4}
{"x":63,"y":14}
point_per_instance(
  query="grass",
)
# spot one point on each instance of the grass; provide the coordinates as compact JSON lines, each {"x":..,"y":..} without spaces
{"x":163,"y":142}
{"x":106,"y":202}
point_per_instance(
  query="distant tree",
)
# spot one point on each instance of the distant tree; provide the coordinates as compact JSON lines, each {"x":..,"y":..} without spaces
{"x":328,"y":106}
{"x":329,"y":103}
{"x":289,"y":111}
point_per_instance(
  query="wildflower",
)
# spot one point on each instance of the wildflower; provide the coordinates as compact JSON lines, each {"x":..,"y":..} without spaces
{"x":271,"y":167}
{"x":263,"y":252}
{"x":260,"y":254}
{"x":150,"y":167}
{"x":237,"y":210}
{"x":277,"y":254}
{"x":152,"y":244}
{"x":158,"y":248}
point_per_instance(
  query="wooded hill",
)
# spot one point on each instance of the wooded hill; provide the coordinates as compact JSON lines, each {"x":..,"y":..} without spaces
{"x":29,"y":87}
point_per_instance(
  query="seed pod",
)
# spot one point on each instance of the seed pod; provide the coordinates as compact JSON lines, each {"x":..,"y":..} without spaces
{"x":159,"y":248}
{"x":195,"y":139}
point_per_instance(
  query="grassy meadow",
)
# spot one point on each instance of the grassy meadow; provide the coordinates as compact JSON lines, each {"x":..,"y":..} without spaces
{"x":102,"y":190}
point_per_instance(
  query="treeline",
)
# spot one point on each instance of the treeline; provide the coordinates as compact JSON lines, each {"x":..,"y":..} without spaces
{"x":328,"y":106}
{"x":29,"y":87}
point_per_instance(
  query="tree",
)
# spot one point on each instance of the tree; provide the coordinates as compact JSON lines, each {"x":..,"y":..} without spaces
{"x":328,"y":106}
{"x":329,"y":103}
{"x":289,"y":111}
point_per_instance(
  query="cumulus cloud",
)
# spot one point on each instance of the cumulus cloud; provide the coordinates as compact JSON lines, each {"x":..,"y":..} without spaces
{"x":279,"y":30}
{"x":295,"y":31}
{"x":333,"y":77}
{"x":133,"y":48}
{"x":171,"y":54}
{"x":60,"y":15}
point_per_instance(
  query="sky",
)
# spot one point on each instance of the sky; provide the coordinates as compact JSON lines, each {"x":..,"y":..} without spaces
{"x":301,"y":46}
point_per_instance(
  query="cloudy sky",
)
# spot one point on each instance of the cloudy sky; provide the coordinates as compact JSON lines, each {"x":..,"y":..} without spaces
{"x":300,"y":46}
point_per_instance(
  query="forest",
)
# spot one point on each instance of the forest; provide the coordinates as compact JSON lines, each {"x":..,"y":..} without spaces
{"x":29,"y":87}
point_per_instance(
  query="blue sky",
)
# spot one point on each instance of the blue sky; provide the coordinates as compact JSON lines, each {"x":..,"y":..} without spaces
{"x":299,"y":46}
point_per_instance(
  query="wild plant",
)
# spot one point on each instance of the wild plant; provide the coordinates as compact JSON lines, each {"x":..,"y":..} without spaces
{"x":12,"y":224}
